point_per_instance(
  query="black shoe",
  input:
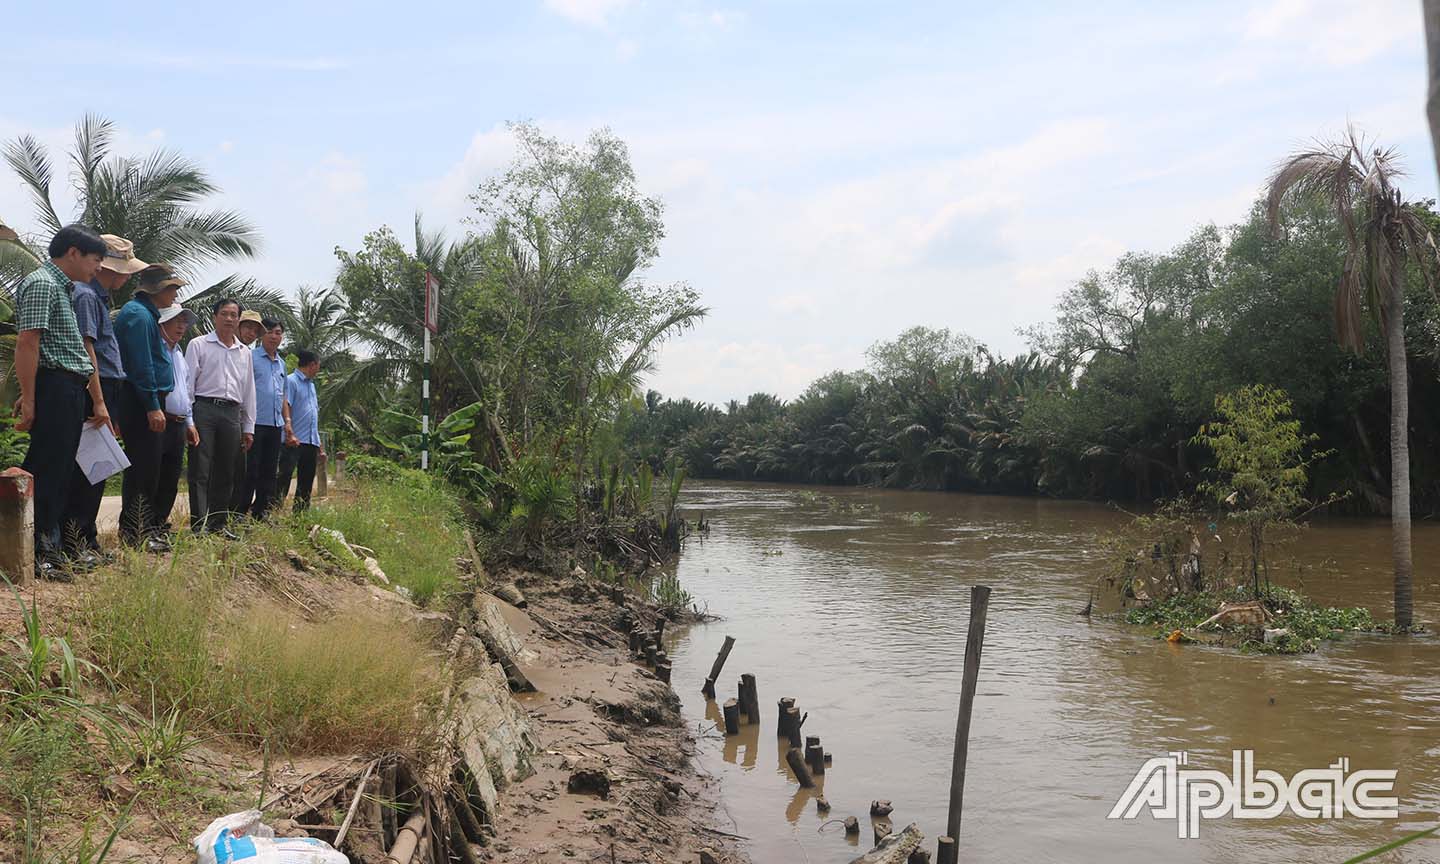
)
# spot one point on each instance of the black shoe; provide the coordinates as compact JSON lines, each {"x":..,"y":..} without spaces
{"x":84,"y":561}
{"x":227,"y":534}
{"x":157,"y":545}
{"x":53,"y":569}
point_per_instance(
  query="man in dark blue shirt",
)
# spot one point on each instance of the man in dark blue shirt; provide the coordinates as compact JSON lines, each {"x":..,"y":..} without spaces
{"x":149,"y":378}
{"x":91,"y":301}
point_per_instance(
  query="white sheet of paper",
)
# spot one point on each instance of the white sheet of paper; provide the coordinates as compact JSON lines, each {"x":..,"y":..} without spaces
{"x":100,"y":455}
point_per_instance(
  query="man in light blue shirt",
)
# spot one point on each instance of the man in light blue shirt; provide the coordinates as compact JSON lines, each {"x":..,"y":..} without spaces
{"x":272,"y":424}
{"x":304,"y":449}
{"x":179,"y":414}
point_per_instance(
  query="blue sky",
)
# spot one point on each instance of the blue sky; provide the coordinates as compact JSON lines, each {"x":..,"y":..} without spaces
{"x":832,"y":172}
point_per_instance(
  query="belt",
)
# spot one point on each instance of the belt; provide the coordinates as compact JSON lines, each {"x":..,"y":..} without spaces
{"x":216,"y":400}
{"x":66,"y":373}
{"x":174,"y":418}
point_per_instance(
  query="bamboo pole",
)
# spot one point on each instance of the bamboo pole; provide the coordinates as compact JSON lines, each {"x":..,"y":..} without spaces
{"x":407,"y":839}
{"x":974,"y":643}
{"x":709,"y":688}
{"x":354,"y":805}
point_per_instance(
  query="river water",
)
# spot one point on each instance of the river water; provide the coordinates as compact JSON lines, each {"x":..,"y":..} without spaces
{"x":861,"y":615}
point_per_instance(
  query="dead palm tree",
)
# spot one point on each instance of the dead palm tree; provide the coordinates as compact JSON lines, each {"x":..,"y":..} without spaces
{"x":1383,"y":234}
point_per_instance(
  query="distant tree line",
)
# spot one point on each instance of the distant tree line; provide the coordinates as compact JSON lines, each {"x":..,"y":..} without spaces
{"x":1108,"y":402}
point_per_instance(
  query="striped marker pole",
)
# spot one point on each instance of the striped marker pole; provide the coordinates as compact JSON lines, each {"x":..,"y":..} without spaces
{"x":431,"y":325}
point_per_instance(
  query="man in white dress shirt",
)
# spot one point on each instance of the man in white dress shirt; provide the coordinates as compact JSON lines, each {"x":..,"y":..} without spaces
{"x":222,"y":385}
{"x":179,"y":422}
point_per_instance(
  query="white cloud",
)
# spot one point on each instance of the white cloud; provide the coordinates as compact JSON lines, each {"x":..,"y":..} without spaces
{"x":713,"y":370}
{"x":1339,"y":32}
{"x":592,"y":13}
{"x":445,"y":201}
{"x":341,"y":176}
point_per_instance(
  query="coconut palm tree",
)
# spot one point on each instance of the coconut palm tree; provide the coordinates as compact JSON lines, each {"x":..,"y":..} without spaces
{"x":153,"y":202}
{"x":1383,"y":234}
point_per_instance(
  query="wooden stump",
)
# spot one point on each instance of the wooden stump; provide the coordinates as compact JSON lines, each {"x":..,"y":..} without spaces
{"x":852,"y":825}
{"x":662,"y":671}
{"x":781,"y":729}
{"x":815,"y":758}
{"x":882,"y":830}
{"x":732,"y":717}
{"x":797,"y":764}
{"x":709,"y":688}
{"x":945,"y":851}
{"x":750,"y":698}
{"x":792,"y":726}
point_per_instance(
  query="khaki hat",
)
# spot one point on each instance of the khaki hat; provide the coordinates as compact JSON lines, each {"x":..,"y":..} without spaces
{"x":158,"y":277}
{"x":253,"y":317}
{"x":8,"y":233}
{"x":120,"y":256}
{"x":171,"y":312}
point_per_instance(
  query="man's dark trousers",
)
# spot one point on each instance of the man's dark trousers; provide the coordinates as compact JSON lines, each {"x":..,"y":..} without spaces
{"x":302,"y":461}
{"x":261,"y":464}
{"x":140,"y":491}
{"x":212,"y":464}
{"x":172,"y":458}
{"x":54,"y":438}
{"x":82,"y":507}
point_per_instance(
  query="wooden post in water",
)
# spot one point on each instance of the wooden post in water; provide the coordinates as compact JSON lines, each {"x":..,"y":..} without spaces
{"x":814,"y":755}
{"x":709,"y":688}
{"x":974,"y":641}
{"x":797,"y":764}
{"x":793,"y":723}
{"x":662,"y":671}
{"x":750,"y":698}
{"x":732,"y":717}
{"x":785,"y":705}
{"x":882,"y":830}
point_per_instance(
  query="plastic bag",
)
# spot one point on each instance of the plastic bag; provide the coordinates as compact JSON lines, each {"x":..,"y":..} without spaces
{"x":241,"y":838}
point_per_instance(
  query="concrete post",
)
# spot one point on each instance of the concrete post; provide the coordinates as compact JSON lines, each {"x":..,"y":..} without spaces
{"x":340,"y":466}
{"x":322,"y":475}
{"x":17,"y":525}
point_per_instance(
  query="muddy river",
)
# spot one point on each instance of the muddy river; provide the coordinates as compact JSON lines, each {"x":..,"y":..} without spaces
{"x":860,"y":614}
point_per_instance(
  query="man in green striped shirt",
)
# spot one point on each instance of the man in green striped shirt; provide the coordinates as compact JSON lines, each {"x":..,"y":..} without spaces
{"x":54,"y":370}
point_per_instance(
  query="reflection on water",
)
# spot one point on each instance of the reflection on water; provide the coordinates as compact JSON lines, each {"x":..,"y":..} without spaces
{"x":861,"y":617}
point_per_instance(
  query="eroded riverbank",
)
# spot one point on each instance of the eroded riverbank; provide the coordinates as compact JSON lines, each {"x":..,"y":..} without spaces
{"x":859,"y":612}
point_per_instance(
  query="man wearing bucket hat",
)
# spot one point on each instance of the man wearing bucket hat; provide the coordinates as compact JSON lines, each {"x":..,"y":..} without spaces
{"x":179,"y":416}
{"x":251,"y":327}
{"x":91,"y":301}
{"x":149,"y":378}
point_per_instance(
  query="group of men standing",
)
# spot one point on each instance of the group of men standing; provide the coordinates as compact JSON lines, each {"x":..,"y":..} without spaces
{"x":245,"y":424}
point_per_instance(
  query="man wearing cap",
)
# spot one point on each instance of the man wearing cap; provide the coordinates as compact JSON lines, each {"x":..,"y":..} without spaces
{"x":179,"y":418}
{"x":251,"y":326}
{"x":149,"y":378}
{"x":222,"y":383}
{"x":91,"y":301}
{"x":53,"y":370}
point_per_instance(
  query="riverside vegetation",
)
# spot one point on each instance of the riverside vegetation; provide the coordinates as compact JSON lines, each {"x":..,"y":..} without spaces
{"x":137,"y":702}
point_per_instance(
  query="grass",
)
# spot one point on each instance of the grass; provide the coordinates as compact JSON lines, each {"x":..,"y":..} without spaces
{"x":1308,"y":623}
{"x":180,"y":638}
{"x":414,"y":525}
